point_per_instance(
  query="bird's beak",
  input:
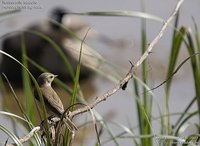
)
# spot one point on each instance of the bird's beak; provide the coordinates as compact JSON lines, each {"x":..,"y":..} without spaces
{"x":55,"y":76}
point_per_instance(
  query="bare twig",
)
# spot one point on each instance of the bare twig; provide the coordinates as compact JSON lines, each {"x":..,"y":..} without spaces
{"x":105,"y":95}
{"x":122,"y":84}
{"x":27,"y":137}
{"x":175,"y":71}
{"x":159,"y":36}
{"x":129,"y":75}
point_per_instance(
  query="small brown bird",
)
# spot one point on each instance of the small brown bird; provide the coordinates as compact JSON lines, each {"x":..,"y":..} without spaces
{"x":51,"y":99}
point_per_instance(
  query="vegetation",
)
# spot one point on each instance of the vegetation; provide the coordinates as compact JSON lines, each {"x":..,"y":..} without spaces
{"x":142,"y":133}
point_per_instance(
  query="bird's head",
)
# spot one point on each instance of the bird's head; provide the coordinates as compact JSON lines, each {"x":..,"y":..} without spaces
{"x":46,"y":79}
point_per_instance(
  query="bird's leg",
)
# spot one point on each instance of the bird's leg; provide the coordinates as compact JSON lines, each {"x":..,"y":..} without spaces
{"x":68,"y":114}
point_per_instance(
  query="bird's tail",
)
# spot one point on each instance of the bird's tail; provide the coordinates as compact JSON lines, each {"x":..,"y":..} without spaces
{"x":70,"y":125}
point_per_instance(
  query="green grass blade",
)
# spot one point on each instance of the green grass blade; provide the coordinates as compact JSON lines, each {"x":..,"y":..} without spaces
{"x":90,"y":58}
{"x":139,"y":104}
{"x":27,"y":88}
{"x":185,"y":120}
{"x":176,"y":45}
{"x":22,"y":110}
{"x":195,"y":66}
{"x":68,"y":89}
{"x":127,"y":131}
{"x":137,"y":14}
{"x":57,"y":81}
{"x":147,"y":101}
{"x":15,"y":116}
{"x":76,"y":84}
{"x":11,"y":115}
{"x":11,"y":135}
{"x":4,"y":15}
{"x":57,"y":48}
{"x":9,"y":12}
{"x":175,"y":49}
{"x":197,"y":39}
{"x":16,"y":99}
{"x":139,"y":112}
{"x":3,"y":90}
{"x":39,"y":92}
{"x":114,"y":140}
{"x":75,"y":88}
{"x":185,"y":112}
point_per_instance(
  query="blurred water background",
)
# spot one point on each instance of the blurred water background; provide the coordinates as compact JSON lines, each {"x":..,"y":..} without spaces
{"x":128,"y":29}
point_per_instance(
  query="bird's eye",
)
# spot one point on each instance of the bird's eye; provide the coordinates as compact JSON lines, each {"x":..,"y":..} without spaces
{"x":51,"y":77}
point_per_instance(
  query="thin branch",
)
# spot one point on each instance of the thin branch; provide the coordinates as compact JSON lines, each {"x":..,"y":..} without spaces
{"x":27,"y":137}
{"x":175,"y":71}
{"x":159,"y":36}
{"x":105,"y":95}
{"x":125,"y":80}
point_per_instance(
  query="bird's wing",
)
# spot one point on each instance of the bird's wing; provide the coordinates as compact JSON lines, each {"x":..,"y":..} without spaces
{"x":52,"y":101}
